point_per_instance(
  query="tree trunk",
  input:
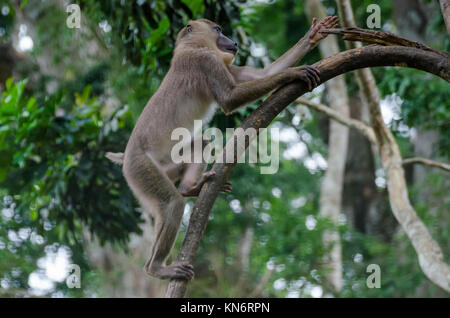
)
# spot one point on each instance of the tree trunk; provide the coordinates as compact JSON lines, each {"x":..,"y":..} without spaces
{"x":364,"y":202}
{"x":413,"y":19}
{"x":332,"y":184}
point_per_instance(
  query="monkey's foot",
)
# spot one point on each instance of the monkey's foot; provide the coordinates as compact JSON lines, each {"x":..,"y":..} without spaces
{"x":177,"y":270}
{"x":194,"y":191}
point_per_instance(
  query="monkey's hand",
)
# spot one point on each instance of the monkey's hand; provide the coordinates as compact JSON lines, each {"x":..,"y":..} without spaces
{"x":194,"y":191}
{"x":306,"y":73}
{"x":177,"y":270}
{"x":313,"y":34}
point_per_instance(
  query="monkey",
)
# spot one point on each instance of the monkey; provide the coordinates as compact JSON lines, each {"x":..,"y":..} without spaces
{"x":201,"y":78}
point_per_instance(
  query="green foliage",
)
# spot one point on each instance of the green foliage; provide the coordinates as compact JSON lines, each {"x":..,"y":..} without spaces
{"x":153,"y":43}
{"x":18,"y":245}
{"x":401,"y":275}
{"x":281,"y":237}
{"x":6,"y":20}
{"x":146,"y":30}
{"x":54,"y":161}
{"x":279,"y":26}
{"x":426,"y":101}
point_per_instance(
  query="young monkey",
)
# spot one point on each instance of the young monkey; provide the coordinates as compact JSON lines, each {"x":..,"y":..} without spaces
{"x":201,"y":76}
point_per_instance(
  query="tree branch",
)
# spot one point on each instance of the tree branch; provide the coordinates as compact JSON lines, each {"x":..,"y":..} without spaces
{"x":360,"y":126}
{"x":380,"y":38}
{"x":369,"y":56}
{"x":427,"y":162}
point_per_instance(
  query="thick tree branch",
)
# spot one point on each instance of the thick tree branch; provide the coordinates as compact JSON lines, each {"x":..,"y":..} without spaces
{"x":381,"y":38}
{"x":369,"y":56}
{"x":427,"y":162}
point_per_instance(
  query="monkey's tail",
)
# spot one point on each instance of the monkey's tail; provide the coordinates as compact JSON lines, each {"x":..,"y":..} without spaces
{"x":116,"y":157}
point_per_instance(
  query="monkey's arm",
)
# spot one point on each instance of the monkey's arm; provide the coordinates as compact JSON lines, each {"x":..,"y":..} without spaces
{"x":231,"y":95}
{"x":288,"y":59}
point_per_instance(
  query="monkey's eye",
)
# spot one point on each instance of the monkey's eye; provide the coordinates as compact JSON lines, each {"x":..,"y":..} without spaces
{"x":189,"y":28}
{"x":218,"y":29}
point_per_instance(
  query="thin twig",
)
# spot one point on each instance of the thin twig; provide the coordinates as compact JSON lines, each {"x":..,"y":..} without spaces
{"x":363,"y":128}
{"x":427,"y":162}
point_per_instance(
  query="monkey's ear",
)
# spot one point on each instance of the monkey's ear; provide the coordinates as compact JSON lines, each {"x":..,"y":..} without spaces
{"x":189,"y":28}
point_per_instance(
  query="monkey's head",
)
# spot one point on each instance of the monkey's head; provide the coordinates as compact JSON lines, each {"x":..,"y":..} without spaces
{"x":205,"y":33}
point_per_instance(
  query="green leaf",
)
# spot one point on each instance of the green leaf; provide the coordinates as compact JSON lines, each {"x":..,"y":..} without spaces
{"x":33,"y":214}
{"x":31,"y":104}
{"x":196,"y":6}
{"x":8,"y":83}
{"x":23,"y":4}
{"x":3,"y":172}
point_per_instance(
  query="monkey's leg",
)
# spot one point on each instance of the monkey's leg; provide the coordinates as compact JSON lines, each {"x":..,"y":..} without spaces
{"x":174,"y":170}
{"x":158,"y":196}
{"x":194,"y":178}
{"x":166,"y":229}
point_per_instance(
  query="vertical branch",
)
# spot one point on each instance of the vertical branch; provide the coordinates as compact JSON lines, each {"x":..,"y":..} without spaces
{"x":243,"y":260}
{"x":332,"y":184}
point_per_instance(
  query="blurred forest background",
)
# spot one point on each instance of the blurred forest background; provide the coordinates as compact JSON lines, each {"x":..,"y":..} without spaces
{"x":70,"y":95}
